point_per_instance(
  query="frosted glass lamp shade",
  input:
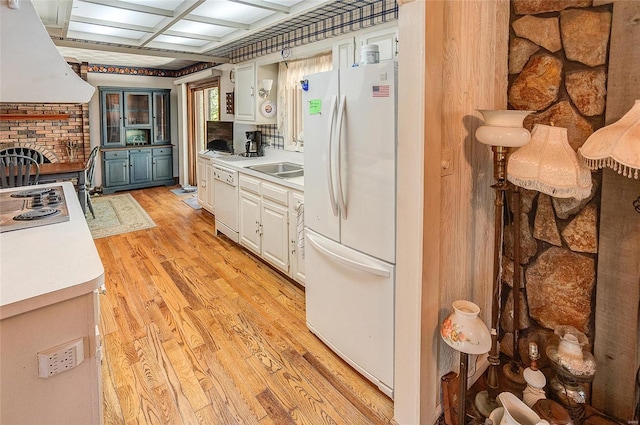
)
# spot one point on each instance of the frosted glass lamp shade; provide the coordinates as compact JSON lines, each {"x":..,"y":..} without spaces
{"x":616,"y":146}
{"x":464,"y":331}
{"x":549,"y":165}
{"x":503,"y":128}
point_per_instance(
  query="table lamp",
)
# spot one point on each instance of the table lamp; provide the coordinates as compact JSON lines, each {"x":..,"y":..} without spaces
{"x":465,"y":332}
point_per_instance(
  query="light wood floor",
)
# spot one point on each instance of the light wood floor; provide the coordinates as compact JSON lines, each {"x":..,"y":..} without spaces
{"x":198,"y":331}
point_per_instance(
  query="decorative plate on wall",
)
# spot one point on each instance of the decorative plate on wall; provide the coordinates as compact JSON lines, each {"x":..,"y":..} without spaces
{"x":268,"y":109}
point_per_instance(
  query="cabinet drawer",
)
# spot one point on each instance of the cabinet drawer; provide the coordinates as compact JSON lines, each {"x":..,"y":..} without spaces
{"x":138,"y":151}
{"x":249,"y":184}
{"x":275,"y":193}
{"x":161,"y":151}
{"x":116,"y":155}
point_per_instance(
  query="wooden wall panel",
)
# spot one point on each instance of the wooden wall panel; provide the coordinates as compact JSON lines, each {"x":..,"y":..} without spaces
{"x":474,"y":77}
{"x":617,"y":340}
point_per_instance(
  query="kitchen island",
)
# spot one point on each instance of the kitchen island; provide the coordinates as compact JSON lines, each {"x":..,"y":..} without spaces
{"x":49,"y":277}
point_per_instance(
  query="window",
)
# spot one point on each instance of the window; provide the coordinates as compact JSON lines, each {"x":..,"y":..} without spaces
{"x":290,"y":123}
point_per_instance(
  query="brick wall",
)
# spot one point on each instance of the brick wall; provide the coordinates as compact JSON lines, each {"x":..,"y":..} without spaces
{"x":51,"y":136}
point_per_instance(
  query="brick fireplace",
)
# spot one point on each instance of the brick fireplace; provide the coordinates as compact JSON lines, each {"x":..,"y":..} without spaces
{"x":60,"y":131}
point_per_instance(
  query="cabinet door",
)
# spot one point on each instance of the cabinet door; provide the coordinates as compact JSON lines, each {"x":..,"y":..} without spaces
{"x":137,"y":109}
{"x":245,"y":92}
{"x":116,"y":172}
{"x":162,"y":167}
{"x":274,"y":226}
{"x":386,"y":40}
{"x":161,"y":118}
{"x":140,"y":165}
{"x":249,"y":226}
{"x":112,"y":108}
{"x":201,"y":173}
{"x":296,"y":236}
{"x":344,"y":54}
{"x":211,"y":187}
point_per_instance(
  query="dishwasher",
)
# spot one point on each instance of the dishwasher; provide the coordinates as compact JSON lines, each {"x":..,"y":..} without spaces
{"x":225,"y":181}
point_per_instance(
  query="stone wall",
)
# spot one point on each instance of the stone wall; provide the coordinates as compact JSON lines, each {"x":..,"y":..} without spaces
{"x":558,"y":68}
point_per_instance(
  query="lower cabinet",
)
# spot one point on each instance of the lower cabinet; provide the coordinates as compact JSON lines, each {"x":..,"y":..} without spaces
{"x":204,"y":170}
{"x":296,"y":235}
{"x":267,"y":225}
{"x":126,"y":169}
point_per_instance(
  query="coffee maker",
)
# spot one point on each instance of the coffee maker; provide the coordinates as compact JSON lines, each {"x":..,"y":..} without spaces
{"x":254,"y":143}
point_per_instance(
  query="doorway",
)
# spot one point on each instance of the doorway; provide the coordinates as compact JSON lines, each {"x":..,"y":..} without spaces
{"x":203,"y":99}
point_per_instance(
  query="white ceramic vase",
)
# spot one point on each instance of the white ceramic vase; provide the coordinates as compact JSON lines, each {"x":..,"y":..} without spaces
{"x":517,"y":413}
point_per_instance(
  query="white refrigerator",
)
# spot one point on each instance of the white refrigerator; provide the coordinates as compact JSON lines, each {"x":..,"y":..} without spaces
{"x":350,"y":215}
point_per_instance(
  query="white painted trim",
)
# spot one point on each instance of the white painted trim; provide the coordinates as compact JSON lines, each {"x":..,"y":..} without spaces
{"x":408,"y":327}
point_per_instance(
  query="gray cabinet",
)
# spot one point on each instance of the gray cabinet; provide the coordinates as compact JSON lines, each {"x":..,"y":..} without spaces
{"x":136,"y":138}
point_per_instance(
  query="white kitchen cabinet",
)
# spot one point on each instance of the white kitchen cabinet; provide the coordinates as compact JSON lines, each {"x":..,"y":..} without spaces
{"x":204,"y":170}
{"x":250,"y":107}
{"x":296,"y":236}
{"x":344,"y":53}
{"x":264,"y":221}
{"x":386,"y":40}
{"x":249,"y":221}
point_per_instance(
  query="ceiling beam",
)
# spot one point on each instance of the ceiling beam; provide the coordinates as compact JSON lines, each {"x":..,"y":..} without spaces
{"x":132,"y":7}
{"x":219,"y":22}
{"x":112,"y":24}
{"x":137,"y":51}
{"x":183,"y":10}
{"x":193,"y":36}
{"x":263,"y":5}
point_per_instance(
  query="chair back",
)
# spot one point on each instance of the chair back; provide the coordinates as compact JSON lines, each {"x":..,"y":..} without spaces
{"x":91,"y":163}
{"x":18,"y":170}
{"x":38,"y":156}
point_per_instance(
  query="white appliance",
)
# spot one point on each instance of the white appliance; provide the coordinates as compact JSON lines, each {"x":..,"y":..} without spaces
{"x":225,"y":200}
{"x":350,"y":215}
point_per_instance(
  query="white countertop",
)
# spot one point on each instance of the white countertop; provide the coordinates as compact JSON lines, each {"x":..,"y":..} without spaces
{"x":44,"y":265}
{"x":270,"y":155}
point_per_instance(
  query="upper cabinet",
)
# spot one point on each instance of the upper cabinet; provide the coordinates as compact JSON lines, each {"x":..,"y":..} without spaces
{"x":134,"y":117}
{"x":255,"y":102}
{"x":386,"y":40}
{"x":346,"y":52}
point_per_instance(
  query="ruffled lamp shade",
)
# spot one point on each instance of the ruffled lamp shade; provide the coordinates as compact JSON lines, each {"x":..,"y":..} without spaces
{"x":616,"y":146}
{"x":549,"y":165}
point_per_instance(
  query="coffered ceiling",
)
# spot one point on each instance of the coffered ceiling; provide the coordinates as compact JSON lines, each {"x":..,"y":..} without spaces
{"x":167,"y":34}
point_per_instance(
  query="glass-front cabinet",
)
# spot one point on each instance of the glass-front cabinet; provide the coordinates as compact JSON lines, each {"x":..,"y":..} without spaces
{"x":161,"y":117}
{"x":111,"y":105}
{"x":136,"y":138}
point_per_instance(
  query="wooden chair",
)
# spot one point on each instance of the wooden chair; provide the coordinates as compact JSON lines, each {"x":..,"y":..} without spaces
{"x":18,"y":170}
{"x":38,"y":156}
{"x":88,"y":181}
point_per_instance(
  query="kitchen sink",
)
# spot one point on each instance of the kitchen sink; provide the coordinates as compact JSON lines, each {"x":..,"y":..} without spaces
{"x":284,"y":170}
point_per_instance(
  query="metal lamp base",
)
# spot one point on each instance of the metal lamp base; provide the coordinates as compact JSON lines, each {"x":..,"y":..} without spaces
{"x":484,"y":404}
{"x":514,"y":373}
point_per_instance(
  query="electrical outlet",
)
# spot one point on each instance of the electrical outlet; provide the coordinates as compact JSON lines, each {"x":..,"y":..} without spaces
{"x":60,"y":358}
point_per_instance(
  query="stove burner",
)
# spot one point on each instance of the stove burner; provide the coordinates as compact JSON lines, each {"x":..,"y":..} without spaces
{"x":37,"y":214}
{"x":29,"y":193}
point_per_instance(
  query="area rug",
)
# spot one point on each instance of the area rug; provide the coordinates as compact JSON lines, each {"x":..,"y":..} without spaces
{"x":117,"y":214}
{"x":190,"y":190}
{"x":192,"y":201}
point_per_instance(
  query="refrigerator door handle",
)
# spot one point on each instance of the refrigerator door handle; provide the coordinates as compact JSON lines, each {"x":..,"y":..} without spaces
{"x":346,"y":261}
{"x":332,"y":196}
{"x":341,"y":200}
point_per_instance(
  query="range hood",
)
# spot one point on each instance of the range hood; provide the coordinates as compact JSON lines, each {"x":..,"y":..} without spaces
{"x":31,"y":68}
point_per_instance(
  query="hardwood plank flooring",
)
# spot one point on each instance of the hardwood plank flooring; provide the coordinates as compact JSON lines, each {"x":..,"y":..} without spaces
{"x":198,"y":331}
